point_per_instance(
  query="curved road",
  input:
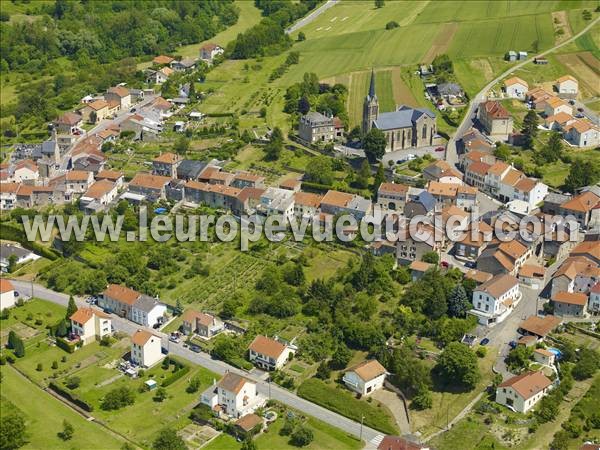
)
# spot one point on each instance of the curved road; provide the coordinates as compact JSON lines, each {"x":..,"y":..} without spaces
{"x":451,"y":155}
{"x":312,"y":16}
{"x":370,"y":436}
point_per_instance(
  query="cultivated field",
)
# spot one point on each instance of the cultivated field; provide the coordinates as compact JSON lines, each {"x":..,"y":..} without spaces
{"x":586,"y":68}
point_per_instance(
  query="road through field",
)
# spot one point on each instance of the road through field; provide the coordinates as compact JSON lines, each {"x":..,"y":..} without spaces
{"x":271,"y":390}
{"x":312,"y":16}
{"x":451,"y":154}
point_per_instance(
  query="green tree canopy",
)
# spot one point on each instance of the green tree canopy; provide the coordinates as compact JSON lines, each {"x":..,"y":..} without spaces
{"x":457,"y":365}
{"x":374,"y":144}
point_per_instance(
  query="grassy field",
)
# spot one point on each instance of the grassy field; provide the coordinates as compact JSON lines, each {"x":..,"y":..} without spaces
{"x":325,"y":437}
{"x":30,"y":321}
{"x":447,"y":405}
{"x":343,"y":402}
{"x":44,"y":417}
{"x":249,"y":15}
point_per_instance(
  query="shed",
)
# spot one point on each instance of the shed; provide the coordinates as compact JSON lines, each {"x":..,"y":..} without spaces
{"x":150,"y":384}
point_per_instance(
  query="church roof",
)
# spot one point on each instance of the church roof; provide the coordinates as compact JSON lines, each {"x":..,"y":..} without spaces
{"x":403,"y":117}
{"x":372,"y":93}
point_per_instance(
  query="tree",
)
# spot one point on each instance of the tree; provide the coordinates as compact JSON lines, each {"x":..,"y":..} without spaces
{"x":67,"y":431}
{"x":118,"y":398}
{"x":194,"y":385}
{"x":320,"y":170}
{"x":548,"y":409}
{"x":273,"y":150}
{"x":431,"y":258}
{"x":39,"y":367}
{"x":16,"y":344}
{"x":301,"y":36}
{"x":340,"y":358}
{"x":302,"y":437}
{"x":379,"y":3}
{"x":374,"y":144}
{"x":93,"y":117}
{"x":12,"y":431}
{"x":457,"y":364}
{"x":249,"y":444}
{"x":160,"y":395}
{"x":303,"y":105}
{"x":502,"y":152}
{"x":530,"y":127}
{"x":323,"y":371}
{"x":168,"y":440}
{"x":422,"y":400}
{"x":582,"y":173}
{"x":379,"y":177}
{"x":362,"y":178}
{"x":391,"y":25}
{"x":61,"y":328}
{"x":458,"y":302}
{"x":71,"y":308}
{"x":54,"y":365}
{"x":73,"y":382}
{"x":518,"y":358}
{"x":12,"y":263}
{"x":552,"y":150}
{"x":586,"y":366}
{"x":182,"y":145}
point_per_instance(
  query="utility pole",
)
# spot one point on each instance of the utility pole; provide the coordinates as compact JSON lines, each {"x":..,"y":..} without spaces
{"x":362,"y":418}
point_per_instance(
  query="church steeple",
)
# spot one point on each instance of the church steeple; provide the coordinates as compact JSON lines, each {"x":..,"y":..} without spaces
{"x":370,"y":106}
{"x":372,"y":93}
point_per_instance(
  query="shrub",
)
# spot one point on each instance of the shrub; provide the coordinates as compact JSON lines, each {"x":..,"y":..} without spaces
{"x":39,"y":367}
{"x":302,"y":437}
{"x":72,"y":397}
{"x":118,"y":398}
{"x":67,"y":346}
{"x":391,"y":25}
{"x":73,"y":382}
{"x":54,"y":365}
{"x":175,"y":376}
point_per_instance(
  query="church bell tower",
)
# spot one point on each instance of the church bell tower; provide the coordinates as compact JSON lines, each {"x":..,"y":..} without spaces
{"x":370,"y":106}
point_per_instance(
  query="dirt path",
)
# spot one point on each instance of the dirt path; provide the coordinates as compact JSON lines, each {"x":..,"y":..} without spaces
{"x":441,"y":42}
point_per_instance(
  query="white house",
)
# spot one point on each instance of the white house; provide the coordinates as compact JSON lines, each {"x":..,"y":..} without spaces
{"x":522,"y":392}
{"x":515,"y":87}
{"x":101,"y":192}
{"x":277,"y":201}
{"x":234,"y":396}
{"x":555,"y":105}
{"x":21,"y":254}
{"x":365,"y":377}
{"x":145,"y":348}
{"x":90,"y":324}
{"x":7,"y":294}
{"x":531,"y":191}
{"x":494,"y":299}
{"x":567,"y":85}
{"x":268,"y":353}
{"x":209,"y":51}
{"x":147,"y":311}
{"x":26,"y":170}
{"x":8,"y":195}
{"x":582,"y":133}
{"x":594,"y":301}
{"x":543,"y":356}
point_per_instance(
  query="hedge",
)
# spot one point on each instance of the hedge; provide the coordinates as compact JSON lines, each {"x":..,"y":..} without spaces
{"x":73,"y":398}
{"x":65,"y":345}
{"x":344,"y":403}
{"x":175,"y":376}
{"x":12,"y":233}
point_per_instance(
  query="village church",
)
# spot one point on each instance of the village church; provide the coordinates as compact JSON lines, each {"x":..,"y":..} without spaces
{"x":404,"y":128}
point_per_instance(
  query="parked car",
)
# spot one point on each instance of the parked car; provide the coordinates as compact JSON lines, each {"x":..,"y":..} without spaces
{"x":16,"y":294}
{"x":440,"y":149}
{"x":470,"y":264}
{"x":484,"y":341}
{"x":445,"y":264}
{"x":195,"y":348}
{"x":512,"y":344}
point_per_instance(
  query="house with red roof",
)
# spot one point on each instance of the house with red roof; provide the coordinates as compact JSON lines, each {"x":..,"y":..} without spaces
{"x":522,"y":392}
{"x":496,"y":120}
{"x":89,"y":324}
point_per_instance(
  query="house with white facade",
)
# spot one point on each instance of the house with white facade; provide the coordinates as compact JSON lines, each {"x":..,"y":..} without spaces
{"x":555,"y":105}
{"x":306,"y":204}
{"x":515,"y":87}
{"x":90,"y":325}
{"x":366,"y":377}
{"x":268,"y":353}
{"x":567,"y":84}
{"x":202,"y":324}
{"x":544,"y":357}
{"x":495,"y":299}
{"x":530,"y":191}
{"x":26,"y":170}
{"x":146,"y":348}
{"x":522,"y":392}
{"x":233,"y":396}
{"x":582,"y":133}
{"x":7,"y":294}
{"x":148,"y":311}
{"x":277,"y":201}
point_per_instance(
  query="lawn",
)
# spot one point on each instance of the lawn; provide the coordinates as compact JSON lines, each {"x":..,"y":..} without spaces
{"x":325,"y":437}
{"x":222,"y":442}
{"x":31,"y":320}
{"x":338,"y":399}
{"x":446,"y":405}
{"x":44,"y":417}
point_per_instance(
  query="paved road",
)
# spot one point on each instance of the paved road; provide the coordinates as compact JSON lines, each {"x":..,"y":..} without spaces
{"x":312,"y":16}
{"x":203,"y":359}
{"x":467,"y":123}
{"x":104,"y":124}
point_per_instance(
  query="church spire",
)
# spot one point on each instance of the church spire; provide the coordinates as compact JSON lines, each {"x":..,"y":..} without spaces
{"x":372,"y":85}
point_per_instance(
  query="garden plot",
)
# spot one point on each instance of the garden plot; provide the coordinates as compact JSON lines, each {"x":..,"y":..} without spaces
{"x":196,"y":436}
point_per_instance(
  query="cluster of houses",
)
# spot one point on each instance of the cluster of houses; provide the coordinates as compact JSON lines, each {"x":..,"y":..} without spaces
{"x":556,"y":108}
{"x":164,"y":66}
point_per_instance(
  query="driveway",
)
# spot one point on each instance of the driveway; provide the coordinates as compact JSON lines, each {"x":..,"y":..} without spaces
{"x":396,"y":406}
{"x":401,"y":154}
